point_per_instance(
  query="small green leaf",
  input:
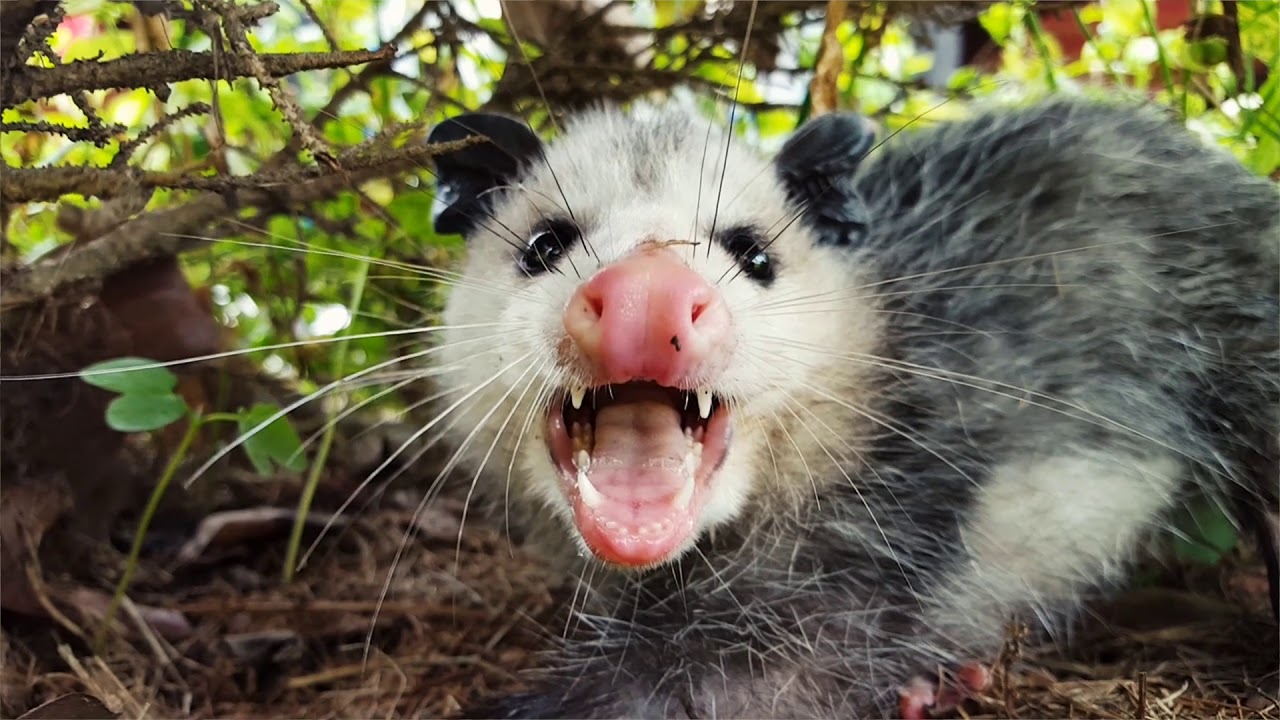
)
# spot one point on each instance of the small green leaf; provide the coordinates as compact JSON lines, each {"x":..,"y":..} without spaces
{"x":1207,"y":53}
{"x":153,"y":380}
{"x":140,"y":412}
{"x":1266,"y":157}
{"x":277,"y":443}
{"x":1209,"y":534}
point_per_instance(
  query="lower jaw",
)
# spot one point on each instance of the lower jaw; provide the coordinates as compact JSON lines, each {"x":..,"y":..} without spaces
{"x":641,"y":550}
{"x":649,"y":546}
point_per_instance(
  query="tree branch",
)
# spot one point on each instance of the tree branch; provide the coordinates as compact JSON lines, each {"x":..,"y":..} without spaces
{"x":159,"y":233}
{"x":51,"y":183}
{"x":168,"y":67}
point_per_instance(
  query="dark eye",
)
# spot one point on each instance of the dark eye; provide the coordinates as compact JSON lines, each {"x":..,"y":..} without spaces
{"x":548,"y":242}
{"x":747,"y":246}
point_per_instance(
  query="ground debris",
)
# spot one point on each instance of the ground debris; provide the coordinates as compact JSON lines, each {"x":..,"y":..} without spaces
{"x":460,"y":617}
{"x":466,"y":611}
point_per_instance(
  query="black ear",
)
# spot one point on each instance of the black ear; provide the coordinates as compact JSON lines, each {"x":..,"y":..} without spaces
{"x":816,"y":166}
{"x":465,"y":176}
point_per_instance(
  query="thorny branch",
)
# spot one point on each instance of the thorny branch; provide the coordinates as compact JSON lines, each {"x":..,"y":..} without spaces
{"x":170,"y":67}
{"x":373,"y":158}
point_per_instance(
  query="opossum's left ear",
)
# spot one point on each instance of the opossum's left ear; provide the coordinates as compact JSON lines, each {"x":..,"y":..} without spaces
{"x":816,"y":166}
{"x":464,"y":177}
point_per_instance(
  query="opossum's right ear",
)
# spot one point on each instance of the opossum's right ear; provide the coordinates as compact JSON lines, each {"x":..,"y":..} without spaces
{"x":828,"y":146}
{"x":464,"y":177}
{"x":815,"y":166}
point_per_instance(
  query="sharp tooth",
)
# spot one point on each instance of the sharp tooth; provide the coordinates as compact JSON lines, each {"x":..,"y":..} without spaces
{"x":682,"y":498}
{"x":704,"y":403}
{"x":576,"y":393}
{"x":591,"y":497}
{"x":582,"y":460}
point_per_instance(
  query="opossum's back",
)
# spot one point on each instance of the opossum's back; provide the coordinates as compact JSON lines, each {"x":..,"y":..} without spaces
{"x":1063,"y":175}
{"x":1089,"y":297}
{"x":1074,"y":238}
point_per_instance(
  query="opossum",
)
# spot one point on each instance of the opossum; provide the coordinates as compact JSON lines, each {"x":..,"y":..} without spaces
{"x":806,"y":429}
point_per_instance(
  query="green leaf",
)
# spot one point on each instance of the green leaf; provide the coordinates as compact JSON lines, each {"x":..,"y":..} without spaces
{"x":412,"y":213}
{"x":1259,"y":26}
{"x":1209,"y":534}
{"x":1266,"y":157}
{"x":140,"y":412}
{"x":1206,"y":53}
{"x":276,"y":444}
{"x":153,"y":380}
{"x":998,"y":21}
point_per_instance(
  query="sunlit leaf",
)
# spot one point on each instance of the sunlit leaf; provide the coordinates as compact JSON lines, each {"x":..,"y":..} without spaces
{"x":998,"y":21}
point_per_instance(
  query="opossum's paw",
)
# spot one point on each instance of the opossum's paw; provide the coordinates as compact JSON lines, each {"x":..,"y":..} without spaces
{"x":922,"y":697}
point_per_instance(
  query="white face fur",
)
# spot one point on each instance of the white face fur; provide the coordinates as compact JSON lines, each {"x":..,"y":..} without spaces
{"x":628,"y":180}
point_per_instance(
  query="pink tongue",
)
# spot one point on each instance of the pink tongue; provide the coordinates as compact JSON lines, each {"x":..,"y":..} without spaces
{"x":636,"y":469}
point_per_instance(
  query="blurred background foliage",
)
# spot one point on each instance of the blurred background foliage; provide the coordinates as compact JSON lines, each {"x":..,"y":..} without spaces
{"x":281,"y":277}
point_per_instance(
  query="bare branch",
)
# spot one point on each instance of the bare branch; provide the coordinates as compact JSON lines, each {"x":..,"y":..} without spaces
{"x":172,"y":66}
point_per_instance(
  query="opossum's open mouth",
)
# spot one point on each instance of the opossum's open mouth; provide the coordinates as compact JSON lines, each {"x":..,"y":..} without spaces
{"x":637,"y":459}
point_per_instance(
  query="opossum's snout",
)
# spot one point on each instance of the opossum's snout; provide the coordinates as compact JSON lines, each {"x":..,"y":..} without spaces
{"x":649,"y":317}
{"x":639,"y":446}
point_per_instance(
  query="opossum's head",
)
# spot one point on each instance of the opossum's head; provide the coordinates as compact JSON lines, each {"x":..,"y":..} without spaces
{"x":643,"y":326}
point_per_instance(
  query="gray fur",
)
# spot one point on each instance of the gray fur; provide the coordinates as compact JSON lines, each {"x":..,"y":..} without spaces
{"x":1079,"y":303}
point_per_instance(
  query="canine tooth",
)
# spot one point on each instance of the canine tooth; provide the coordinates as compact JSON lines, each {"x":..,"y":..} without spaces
{"x":704,"y":403}
{"x":576,"y":393}
{"x":685,"y":495}
{"x":582,"y":460}
{"x":591,"y":497}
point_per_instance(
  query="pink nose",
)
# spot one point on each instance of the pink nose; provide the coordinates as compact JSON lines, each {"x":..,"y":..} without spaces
{"x":648,"y":317}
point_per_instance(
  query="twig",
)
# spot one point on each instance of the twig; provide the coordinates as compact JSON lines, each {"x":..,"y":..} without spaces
{"x":74,"y":134}
{"x":128,"y":148}
{"x":283,"y":101}
{"x":324,"y":29}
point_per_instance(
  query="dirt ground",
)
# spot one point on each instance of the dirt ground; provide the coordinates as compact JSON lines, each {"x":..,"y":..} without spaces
{"x":458,"y":620}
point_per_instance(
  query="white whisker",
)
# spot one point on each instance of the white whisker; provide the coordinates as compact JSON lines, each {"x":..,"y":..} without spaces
{"x":260,"y":349}
{"x":427,"y":496}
